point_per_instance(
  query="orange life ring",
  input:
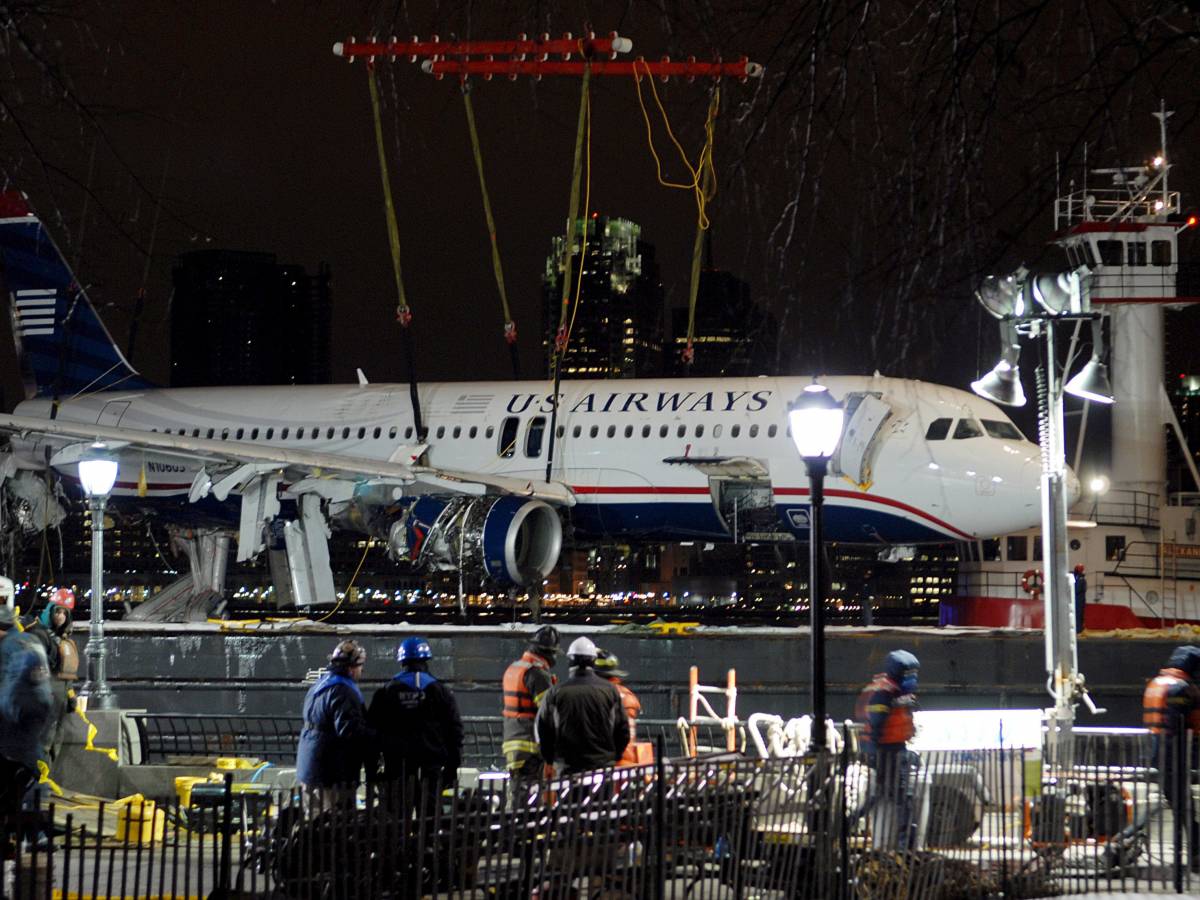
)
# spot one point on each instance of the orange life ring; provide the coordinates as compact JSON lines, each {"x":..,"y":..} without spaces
{"x":1031,"y":583}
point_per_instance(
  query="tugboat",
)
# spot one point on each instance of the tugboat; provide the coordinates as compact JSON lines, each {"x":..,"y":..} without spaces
{"x":1139,"y":548}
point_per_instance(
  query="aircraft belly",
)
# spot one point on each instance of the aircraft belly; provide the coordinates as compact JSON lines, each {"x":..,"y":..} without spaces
{"x":662,"y":520}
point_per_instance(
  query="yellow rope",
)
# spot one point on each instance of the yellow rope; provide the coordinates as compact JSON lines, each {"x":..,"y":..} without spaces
{"x":362,"y":559}
{"x":402,"y":309}
{"x":572,"y":218}
{"x":703,"y":165}
{"x":587,"y":203}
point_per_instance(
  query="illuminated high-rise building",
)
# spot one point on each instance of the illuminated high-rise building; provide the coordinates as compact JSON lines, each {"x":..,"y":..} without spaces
{"x":616,"y":328}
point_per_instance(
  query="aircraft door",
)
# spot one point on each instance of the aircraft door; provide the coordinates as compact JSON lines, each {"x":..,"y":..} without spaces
{"x":112,"y":412}
{"x":746,"y":506}
{"x":865,"y":416}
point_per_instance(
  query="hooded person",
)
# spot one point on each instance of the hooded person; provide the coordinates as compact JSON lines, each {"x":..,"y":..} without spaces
{"x":26,"y":705}
{"x":581,"y":724}
{"x":885,"y":710}
{"x":524,"y":684}
{"x":1171,"y":711}
{"x":52,"y":628}
{"x":336,"y":739}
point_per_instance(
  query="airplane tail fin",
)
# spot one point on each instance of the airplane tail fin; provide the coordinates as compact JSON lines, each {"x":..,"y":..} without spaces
{"x":63,"y":347}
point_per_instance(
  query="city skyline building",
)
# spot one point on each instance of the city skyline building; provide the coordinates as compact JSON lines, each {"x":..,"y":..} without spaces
{"x":241,"y":317}
{"x":616,"y":327}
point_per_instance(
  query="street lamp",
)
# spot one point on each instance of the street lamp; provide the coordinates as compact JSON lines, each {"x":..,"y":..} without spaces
{"x":97,"y":474}
{"x":816,"y":424}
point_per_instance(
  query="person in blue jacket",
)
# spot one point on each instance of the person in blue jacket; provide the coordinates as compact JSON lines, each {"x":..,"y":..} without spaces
{"x":26,"y":705}
{"x":335,"y":740}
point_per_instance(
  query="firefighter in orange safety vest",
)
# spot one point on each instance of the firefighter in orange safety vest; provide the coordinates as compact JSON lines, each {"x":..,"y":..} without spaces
{"x":608,"y":666}
{"x":1171,"y":711}
{"x":525,"y":682}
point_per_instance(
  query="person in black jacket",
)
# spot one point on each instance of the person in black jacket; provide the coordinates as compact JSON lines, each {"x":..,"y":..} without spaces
{"x":581,"y":723}
{"x":336,"y":739}
{"x":26,"y":705}
{"x":417,"y":721}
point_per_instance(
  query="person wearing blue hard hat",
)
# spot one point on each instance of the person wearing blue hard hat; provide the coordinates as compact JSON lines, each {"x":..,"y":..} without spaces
{"x":416,"y":718}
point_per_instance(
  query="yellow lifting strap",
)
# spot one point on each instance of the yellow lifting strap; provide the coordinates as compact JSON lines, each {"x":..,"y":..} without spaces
{"x":510,"y":327}
{"x":560,"y":339}
{"x":403,"y":313}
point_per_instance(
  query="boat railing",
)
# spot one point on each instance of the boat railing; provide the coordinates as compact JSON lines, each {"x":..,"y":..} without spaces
{"x":1135,"y":199}
{"x":1132,"y":282}
{"x":1121,"y":507}
{"x":995,"y":583}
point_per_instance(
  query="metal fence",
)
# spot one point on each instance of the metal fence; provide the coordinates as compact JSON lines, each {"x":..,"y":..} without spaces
{"x":1097,"y":812}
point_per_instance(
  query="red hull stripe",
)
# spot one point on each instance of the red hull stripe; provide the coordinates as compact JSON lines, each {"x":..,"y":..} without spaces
{"x":651,"y":490}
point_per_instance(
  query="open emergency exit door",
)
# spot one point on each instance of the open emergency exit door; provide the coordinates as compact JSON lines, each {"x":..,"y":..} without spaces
{"x":866,"y":414}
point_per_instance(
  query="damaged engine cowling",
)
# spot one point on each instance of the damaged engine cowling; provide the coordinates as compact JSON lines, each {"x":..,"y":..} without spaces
{"x":511,"y":540}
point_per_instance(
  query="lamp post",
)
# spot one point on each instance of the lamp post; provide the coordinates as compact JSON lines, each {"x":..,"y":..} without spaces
{"x":816,"y":424}
{"x":97,"y":474}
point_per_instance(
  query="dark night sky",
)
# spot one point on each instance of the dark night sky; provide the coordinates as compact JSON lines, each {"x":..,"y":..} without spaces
{"x":266,"y":142}
{"x":271,"y":147}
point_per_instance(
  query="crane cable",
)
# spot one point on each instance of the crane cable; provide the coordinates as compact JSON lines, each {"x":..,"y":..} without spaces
{"x":561,"y":337}
{"x":510,"y":326}
{"x":403,"y":311}
{"x":703,"y":184}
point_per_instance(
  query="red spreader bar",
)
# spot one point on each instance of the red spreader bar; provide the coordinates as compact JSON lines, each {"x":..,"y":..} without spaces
{"x":663,"y":69}
{"x":539,"y":49}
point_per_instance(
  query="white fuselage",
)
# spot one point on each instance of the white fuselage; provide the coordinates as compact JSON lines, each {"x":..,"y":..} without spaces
{"x":612,"y":446}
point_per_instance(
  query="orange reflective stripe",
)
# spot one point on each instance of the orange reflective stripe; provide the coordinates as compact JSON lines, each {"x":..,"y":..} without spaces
{"x":1154,"y":700}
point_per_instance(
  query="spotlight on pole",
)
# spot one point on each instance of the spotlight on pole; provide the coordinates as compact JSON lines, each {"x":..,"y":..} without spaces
{"x":1003,"y":384}
{"x":1091,"y":382}
{"x":816,"y":422}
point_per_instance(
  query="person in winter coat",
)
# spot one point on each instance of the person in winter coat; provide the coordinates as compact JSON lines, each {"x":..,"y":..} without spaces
{"x":335,"y":740}
{"x":885,"y":709}
{"x":26,"y":705}
{"x":581,"y":724}
{"x":53,"y":629}
{"x":416,"y":719}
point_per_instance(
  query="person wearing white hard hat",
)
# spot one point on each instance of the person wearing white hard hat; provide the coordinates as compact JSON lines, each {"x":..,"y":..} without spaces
{"x":581,"y":723}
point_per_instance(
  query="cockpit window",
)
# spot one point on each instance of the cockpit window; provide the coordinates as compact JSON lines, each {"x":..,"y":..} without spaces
{"x":967,"y":428}
{"x":938,"y":429}
{"x":1004,"y":430}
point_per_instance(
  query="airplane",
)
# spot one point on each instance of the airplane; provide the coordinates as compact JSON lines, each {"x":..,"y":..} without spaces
{"x":632,"y":460}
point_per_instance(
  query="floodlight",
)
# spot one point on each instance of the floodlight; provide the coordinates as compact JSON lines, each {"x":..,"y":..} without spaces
{"x":1003,"y":384}
{"x":1098,"y":484}
{"x":1091,"y":382}
{"x":1057,"y":292}
{"x":816,"y":422}
{"x":1002,"y":296}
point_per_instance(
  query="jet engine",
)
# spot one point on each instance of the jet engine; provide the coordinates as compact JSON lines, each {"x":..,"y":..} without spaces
{"x":511,"y":540}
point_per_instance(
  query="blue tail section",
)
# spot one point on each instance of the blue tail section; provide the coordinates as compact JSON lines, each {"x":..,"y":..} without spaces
{"x":63,"y":347}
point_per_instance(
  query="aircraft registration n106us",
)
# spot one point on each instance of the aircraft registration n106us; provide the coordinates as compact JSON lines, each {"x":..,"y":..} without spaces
{"x":657,"y":459}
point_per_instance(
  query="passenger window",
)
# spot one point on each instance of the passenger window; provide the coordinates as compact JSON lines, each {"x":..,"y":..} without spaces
{"x":753,"y":431}
{"x":772,"y":430}
{"x":594,"y":431}
{"x":534,"y":433}
{"x":645,"y":431}
{"x":612,"y":431}
{"x":329,"y":434}
{"x":1089,"y":255}
{"x":1004,"y":430}
{"x":224,"y":434}
{"x":392,"y":433}
{"x":1111,"y":252}
{"x":1136,"y":253}
{"x":210,"y":434}
{"x":490,"y":431}
{"x":1114,"y":547}
{"x":663,"y":431}
{"x":362,"y":433}
{"x":457,"y":432}
{"x":938,"y":429}
{"x":239,"y":433}
{"x":735,"y":431}
{"x":1160,"y":253}
{"x":283,"y":434}
{"x":299,"y":434}
{"x":561,"y":431}
{"x":474,"y":432}
{"x":1018,"y":547}
{"x":991,"y":550}
{"x":253,"y":434}
{"x":270,"y":433}
{"x":408,"y":432}
{"x":345,"y":433}
{"x":967,"y":428}
{"x":195,"y":432}
{"x":628,"y":431}
{"x":508,"y":437}
{"x":441,"y":431}
{"x":716,"y":431}
{"x":576,"y":431}
{"x":699,"y":431}
{"x":378,"y":431}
